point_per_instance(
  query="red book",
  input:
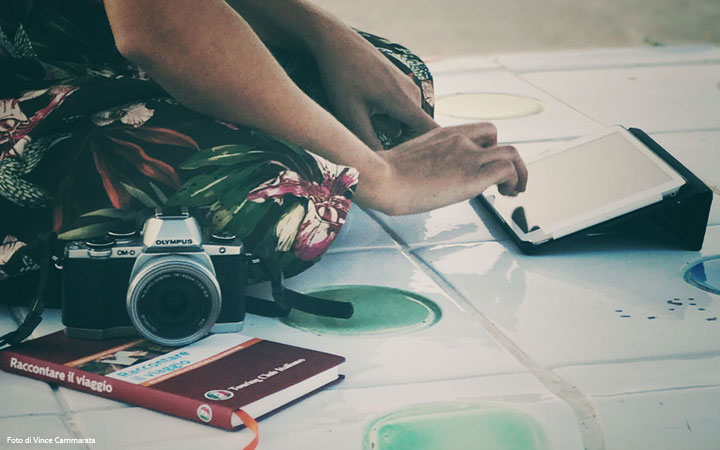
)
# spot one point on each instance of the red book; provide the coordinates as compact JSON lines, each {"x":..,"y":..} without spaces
{"x":224,"y":380}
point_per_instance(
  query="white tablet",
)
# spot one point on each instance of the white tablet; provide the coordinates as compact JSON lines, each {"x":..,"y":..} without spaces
{"x":583,"y":183}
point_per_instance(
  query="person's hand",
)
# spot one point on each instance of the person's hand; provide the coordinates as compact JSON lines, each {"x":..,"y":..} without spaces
{"x":367,"y":92}
{"x":441,"y":167}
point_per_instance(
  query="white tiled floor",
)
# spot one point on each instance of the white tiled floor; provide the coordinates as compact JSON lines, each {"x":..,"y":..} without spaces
{"x":558,"y":120}
{"x":568,"y":308}
{"x":697,"y":151}
{"x":545,"y":335}
{"x":603,"y":58}
{"x":663,"y":98}
{"x":457,"y":346}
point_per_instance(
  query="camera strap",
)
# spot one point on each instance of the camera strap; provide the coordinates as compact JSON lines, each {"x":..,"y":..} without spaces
{"x":286,"y":299}
{"x":37,"y":304}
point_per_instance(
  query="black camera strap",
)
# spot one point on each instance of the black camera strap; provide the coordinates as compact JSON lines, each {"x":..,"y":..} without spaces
{"x":286,"y":299}
{"x":37,"y":304}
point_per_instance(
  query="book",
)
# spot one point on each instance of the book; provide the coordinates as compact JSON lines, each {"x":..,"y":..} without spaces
{"x":223,"y":380}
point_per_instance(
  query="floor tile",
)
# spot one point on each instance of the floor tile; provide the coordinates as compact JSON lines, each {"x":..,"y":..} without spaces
{"x":604,"y":299}
{"x":24,"y":396}
{"x":670,"y":403}
{"x":698,"y":151}
{"x":556,"y":121}
{"x":714,"y":218}
{"x":132,"y":427}
{"x":459,"y":223}
{"x":456,"y":344}
{"x":52,"y":322}
{"x":338,"y":419}
{"x":45,"y":427}
{"x":681,"y":419}
{"x":360,"y":232}
{"x":461,"y":64}
{"x":7,"y":320}
{"x":608,"y":57}
{"x":638,"y":377}
{"x":669,"y":98}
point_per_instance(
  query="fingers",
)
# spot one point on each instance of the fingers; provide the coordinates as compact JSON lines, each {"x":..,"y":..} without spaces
{"x":386,"y":125}
{"x":500,"y":172}
{"x":357,"y":119}
{"x":483,"y":134}
{"x":413,"y":116}
{"x":407,"y":109}
{"x":502,"y":159}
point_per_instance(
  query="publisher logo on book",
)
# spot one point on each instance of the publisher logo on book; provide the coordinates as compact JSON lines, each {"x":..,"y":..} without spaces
{"x":220,"y":394}
{"x":204,"y":412}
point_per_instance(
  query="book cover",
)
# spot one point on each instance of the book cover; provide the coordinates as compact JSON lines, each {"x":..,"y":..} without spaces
{"x":224,"y":380}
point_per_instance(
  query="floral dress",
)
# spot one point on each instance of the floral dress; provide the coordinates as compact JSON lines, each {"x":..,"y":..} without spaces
{"x":88,"y":141}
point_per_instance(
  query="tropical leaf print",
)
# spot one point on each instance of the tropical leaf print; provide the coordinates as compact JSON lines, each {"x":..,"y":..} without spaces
{"x":305,"y":197}
{"x":120,"y":148}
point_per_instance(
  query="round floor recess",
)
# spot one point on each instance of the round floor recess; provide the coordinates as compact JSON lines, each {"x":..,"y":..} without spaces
{"x":451,"y":426}
{"x":704,"y":274}
{"x":487,"y":106}
{"x":378,"y":310}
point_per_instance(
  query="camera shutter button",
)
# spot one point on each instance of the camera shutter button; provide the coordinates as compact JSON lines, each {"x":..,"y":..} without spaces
{"x":124,"y":231}
{"x":100,"y":246}
{"x":224,"y":236}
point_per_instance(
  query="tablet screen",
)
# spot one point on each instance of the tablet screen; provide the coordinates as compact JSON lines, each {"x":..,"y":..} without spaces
{"x":585,"y":183}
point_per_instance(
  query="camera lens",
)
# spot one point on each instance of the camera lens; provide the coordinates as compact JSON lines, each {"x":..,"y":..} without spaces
{"x":174,"y":300}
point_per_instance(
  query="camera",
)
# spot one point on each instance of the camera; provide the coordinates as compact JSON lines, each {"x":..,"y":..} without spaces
{"x":164,"y":282}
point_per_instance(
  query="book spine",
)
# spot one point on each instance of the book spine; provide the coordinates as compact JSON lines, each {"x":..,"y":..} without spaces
{"x":146,"y":397}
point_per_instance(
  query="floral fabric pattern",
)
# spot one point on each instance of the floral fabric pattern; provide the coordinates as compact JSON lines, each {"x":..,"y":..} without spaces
{"x":88,"y":142}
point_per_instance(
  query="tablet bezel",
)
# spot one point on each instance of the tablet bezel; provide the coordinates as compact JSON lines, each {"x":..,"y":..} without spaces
{"x":603,"y":213}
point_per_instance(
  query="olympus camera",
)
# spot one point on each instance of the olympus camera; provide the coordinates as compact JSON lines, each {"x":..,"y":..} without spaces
{"x":164,"y":282}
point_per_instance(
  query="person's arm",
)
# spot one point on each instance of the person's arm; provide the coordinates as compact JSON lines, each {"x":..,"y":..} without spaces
{"x":208,"y":57}
{"x":365,"y":90}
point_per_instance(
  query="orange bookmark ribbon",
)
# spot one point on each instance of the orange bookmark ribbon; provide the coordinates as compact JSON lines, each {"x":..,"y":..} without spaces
{"x":252,"y":425}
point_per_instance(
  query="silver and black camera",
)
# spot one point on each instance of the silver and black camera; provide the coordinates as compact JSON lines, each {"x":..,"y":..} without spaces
{"x":163,"y":282}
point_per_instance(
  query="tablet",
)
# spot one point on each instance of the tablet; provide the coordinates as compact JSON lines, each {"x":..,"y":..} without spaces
{"x":583,"y":183}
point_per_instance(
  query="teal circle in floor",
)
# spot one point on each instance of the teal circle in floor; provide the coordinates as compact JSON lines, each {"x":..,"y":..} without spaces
{"x":378,"y":310}
{"x":455,"y":426}
{"x":704,"y":274}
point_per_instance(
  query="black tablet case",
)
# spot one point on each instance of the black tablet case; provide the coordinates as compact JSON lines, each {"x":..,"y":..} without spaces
{"x":681,"y":218}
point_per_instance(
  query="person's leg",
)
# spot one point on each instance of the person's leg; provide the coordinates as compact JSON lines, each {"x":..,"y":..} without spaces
{"x":98,"y":169}
{"x":102,"y":151}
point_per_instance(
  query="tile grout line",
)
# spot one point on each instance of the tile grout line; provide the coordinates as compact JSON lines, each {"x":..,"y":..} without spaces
{"x":68,"y":416}
{"x":615,"y":66}
{"x":416,"y":382}
{"x":499,"y":66}
{"x":584,"y":410}
{"x":561,"y":101}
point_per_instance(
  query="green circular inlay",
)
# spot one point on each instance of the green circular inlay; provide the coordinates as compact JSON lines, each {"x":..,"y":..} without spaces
{"x":378,"y":310}
{"x":487,"y":106}
{"x":455,"y":426}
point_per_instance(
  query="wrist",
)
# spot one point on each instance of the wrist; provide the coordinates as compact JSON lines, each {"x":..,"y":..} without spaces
{"x":376,"y":187}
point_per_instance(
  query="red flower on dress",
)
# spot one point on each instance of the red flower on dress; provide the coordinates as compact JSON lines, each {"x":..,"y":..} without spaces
{"x":327,"y":205}
{"x":15,"y":125}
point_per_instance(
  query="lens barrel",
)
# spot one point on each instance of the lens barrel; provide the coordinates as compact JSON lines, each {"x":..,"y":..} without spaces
{"x":173,"y":300}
